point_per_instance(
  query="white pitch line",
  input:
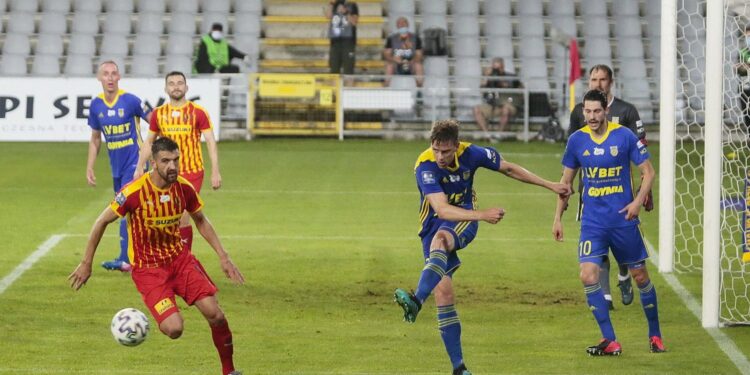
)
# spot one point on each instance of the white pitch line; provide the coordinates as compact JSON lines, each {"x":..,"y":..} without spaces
{"x":722,"y":340}
{"x":41,"y":251}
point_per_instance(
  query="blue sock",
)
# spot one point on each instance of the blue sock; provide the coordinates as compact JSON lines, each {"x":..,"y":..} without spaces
{"x":600,"y":309}
{"x":432,"y":273}
{"x":648,"y":301}
{"x":450,"y":331}
{"x":123,"y":241}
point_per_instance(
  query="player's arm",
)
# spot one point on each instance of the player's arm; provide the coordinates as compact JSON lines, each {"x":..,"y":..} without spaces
{"x":647,"y":181}
{"x":520,"y":173}
{"x":213,"y":153}
{"x":562,"y":202}
{"x":144,"y":154}
{"x":82,"y":273}
{"x":94,"y":144}
{"x":446,"y":211}
{"x":209,"y":233}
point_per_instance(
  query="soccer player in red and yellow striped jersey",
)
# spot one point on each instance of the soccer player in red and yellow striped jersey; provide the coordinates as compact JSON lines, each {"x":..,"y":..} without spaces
{"x":184,"y":122}
{"x":162,"y":266}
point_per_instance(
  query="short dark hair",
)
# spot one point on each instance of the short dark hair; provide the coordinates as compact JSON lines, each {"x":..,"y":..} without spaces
{"x":445,"y":131}
{"x":603,"y":67}
{"x":163,"y":144}
{"x":175,"y":73}
{"x":596,"y":96}
{"x":217,"y":26}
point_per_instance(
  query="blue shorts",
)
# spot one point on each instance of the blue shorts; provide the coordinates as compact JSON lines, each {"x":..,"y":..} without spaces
{"x":626,"y":244}
{"x":463,"y":233}
{"x":122,"y":180}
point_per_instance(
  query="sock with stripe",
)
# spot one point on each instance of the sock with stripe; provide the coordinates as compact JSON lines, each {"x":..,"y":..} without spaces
{"x":450,"y":332}
{"x":187,"y":237}
{"x":432,"y":273}
{"x":598,"y":307}
{"x":124,"y":241}
{"x":648,"y":301}
{"x":222,"y":337}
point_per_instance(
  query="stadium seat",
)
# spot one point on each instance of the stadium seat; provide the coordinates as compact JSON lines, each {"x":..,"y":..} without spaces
{"x":466,"y":47}
{"x":147,"y":44}
{"x":497,"y":7}
{"x":113,"y":45}
{"x":150,"y":23}
{"x":597,"y":49}
{"x":248,"y":6}
{"x":653,"y":8}
{"x":120,"y":6}
{"x":531,"y":8}
{"x":78,"y":65}
{"x":56,"y":6}
{"x":247,"y":24}
{"x":180,"y":63}
{"x":632,"y":68}
{"x":49,"y":44}
{"x":565,"y":25}
{"x":436,"y":66}
{"x":630,"y":48}
{"x":501,"y":26}
{"x":562,"y":8}
{"x":531,"y":28}
{"x":499,"y":46}
{"x":628,"y":26}
{"x":20,"y":23}
{"x":13,"y":65}
{"x":151,"y":6}
{"x":3,"y":6}
{"x":465,"y":25}
{"x":434,"y":21}
{"x":533,"y":69}
{"x":436,"y":98}
{"x":87,"y":6}
{"x":82,"y":44}
{"x":17,"y":44}
{"x":46,"y":65}
{"x":468,"y":72}
{"x":533,"y":48}
{"x":596,"y":27}
{"x":401,"y":7}
{"x":182,"y":23}
{"x":623,"y":8}
{"x":85,"y":23}
{"x":247,"y":44}
{"x":116,"y":22}
{"x":465,"y":7}
{"x":119,"y":60}
{"x":184,"y":6}
{"x":209,"y":18}
{"x":53,"y":23}
{"x":215,"y":6}
{"x":144,"y":65}
{"x":433,"y":6}
{"x":404,"y":83}
{"x":593,"y":8}
{"x":24,"y":6}
{"x":180,"y":44}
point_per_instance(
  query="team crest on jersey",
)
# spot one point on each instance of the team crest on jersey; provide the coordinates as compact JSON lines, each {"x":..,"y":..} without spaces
{"x":586,"y":153}
{"x":120,"y":198}
{"x":121,"y":112}
{"x":467,"y":175}
{"x":598,"y":151}
{"x":428,"y":177}
{"x":164,"y":198}
{"x":613,"y":150}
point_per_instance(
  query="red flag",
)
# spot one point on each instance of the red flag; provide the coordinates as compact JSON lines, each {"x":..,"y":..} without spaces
{"x":575,"y":72}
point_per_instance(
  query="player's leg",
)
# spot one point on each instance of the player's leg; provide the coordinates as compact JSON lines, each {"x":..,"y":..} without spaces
{"x":449,"y":324}
{"x":604,"y":281}
{"x":220,"y":332}
{"x":122,"y":262}
{"x":480,"y":116}
{"x":625,"y":284}
{"x":155,"y":288}
{"x":172,"y":326}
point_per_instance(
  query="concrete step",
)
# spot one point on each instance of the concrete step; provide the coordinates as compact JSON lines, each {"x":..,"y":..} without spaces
{"x":298,"y":8}
{"x":320,"y":53}
{"x":310,"y":41}
{"x":316,"y":30}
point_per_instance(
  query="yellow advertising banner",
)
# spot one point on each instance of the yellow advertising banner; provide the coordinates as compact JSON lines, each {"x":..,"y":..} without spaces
{"x":286,"y":85}
{"x":326,"y":97}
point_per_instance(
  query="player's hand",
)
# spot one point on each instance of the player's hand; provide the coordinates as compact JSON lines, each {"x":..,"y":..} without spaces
{"x":231,"y":271}
{"x":563,"y":190}
{"x":557,"y":230}
{"x":631,"y":210}
{"x":138,"y":173}
{"x":80,"y":275}
{"x":493,"y":215}
{"x":90,"y":177}
{"x":215,"y":180}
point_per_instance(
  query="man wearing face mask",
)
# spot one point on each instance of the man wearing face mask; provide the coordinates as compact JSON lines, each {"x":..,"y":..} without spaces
{"x":214,"y":53}
{"x":403,"y":52}
{"x":743,"y":71}
{"x":342,"y":30}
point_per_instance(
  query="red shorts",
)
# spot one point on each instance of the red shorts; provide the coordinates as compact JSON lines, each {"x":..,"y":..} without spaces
{"x":184,"y":277}
{"x":196,"y":179}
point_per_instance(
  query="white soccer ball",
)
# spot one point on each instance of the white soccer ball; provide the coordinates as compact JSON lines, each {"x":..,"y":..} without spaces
{"x":129,"y":327}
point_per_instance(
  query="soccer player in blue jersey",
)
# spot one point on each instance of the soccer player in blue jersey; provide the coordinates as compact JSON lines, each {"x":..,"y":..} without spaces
{"x":445,"y":176}
{"x":116,"y":115}
{"x":603,"y":151}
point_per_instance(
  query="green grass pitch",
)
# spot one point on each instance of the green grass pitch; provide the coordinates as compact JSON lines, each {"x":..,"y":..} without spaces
{"x":324,"y":231}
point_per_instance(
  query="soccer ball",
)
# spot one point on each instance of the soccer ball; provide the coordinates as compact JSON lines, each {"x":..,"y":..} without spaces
{"x":129,"y":327}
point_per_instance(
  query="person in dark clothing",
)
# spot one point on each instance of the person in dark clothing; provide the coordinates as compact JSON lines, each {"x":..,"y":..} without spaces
{"x":403,"y":52}
{"x":215,"y":54}
{"x":496,"y":104}
{"x":342,"y":30}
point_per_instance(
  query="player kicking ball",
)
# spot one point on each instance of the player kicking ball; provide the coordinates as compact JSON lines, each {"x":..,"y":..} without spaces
{"x":603,"y":152}
{"x":445,"y":177}
{"x":162,"y":266}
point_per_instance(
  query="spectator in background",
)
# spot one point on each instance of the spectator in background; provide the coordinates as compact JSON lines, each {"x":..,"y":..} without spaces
{"x":342,"y":31}
{"x":496,"y":104}
{"x":215,"y":54}
{"x":403,"y":52}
